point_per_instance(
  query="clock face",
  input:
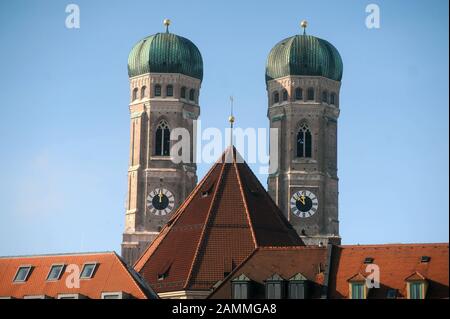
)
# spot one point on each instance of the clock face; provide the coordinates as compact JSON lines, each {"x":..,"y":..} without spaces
{"x":160,"y":201}
{"x":304,"y":204}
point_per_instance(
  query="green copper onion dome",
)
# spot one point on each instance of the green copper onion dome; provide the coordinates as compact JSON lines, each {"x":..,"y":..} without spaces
{"x":165,"y":53}
{"x":304,"y":55}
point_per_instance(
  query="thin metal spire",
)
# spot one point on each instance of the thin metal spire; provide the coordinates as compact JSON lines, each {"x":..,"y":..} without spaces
{"x":231,"y":120}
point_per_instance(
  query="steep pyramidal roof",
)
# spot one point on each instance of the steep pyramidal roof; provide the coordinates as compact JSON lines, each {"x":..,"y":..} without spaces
{"x":226,"y":217}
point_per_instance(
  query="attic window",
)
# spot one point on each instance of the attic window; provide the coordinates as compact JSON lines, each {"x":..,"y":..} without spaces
{"x":298,"y":287}
{"x":391,"y":294}
{"x":207,"y":190}
{"x":55,"y":272}
{"x":275,"y":287}
{"x":22,"y":274}
{"x":425,"y":259}
{"x":88,"y":270}
{"x":163,"y":273}
{"x":241,"y":287}
{"x":368,"y":260}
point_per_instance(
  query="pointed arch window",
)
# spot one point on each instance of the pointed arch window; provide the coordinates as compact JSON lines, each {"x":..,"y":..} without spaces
{"x":157,"y":90}
{"x":333,"y":98}
{"x":162,"y":139}
{"x":192,"y":95}
{"x":304,"y":141}
{"x":310,"y":94}
{"x":169,"y":90}
{"x":135,"y":94}
{"x":143,"y":92}
{"x":276,"y":97}
{"x":285,"y":95}
{"x":298,"y":94}
{"x":183,"y":92}
{"x":325,"y":96}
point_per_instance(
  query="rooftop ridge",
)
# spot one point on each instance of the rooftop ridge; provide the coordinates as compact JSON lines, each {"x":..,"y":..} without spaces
{"x":60,"y":254}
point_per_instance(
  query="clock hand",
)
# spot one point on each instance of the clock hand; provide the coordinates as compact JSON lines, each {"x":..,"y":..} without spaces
{"x":160,"y":196}
{"x":302,"y":199}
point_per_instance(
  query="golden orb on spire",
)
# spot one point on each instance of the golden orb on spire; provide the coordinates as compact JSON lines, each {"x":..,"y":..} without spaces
{"x":167,"y":22}
{"x":304,"y":25}
{"x":231,"y":119}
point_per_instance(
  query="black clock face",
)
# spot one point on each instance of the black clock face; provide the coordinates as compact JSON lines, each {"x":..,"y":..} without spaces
{"x":304,"y":204}
{"x":160,"y":201}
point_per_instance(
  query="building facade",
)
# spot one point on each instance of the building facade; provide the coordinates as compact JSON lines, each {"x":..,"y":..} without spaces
{"x":165,"y":73}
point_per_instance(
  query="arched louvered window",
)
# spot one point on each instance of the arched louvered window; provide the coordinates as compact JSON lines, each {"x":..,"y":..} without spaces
{"x":192,"y":95}
{"x":162,"y":139}
{"x":157,"y":90}
{"x":333,"y":98}
{"x":183,"y":92}
{"x":276,"y":97}
{"x":143,"y":92}
{"x":298,"y":94}
{"x":135,"y":94}
{"x":325,"y":96}
{"x":310,"y":94}
{"x":304,"y":141}
{"x":285,"y":95}
{"x":169,"y":90}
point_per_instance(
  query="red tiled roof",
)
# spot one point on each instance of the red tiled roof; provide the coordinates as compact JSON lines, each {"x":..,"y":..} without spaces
{"x":111,"y":275}
{"x":223,"y":220}
{"x":310,"y":261}
{"x":396,"y":263}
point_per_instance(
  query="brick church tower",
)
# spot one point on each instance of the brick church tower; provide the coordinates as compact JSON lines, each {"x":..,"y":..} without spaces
{"x":165,"y":72}
{"x":303,"y":77}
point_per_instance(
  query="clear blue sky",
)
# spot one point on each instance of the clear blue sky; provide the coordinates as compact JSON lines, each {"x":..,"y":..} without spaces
{"x":64,"y":122}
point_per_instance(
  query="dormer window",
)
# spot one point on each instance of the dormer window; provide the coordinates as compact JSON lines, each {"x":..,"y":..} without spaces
{"x":275,"y":287}
{"x":298,"y":287}
{"x":416,"y":285}
{"x":88,"y":270}
{"x":357,"y":287}
{"x":357,"y":290}
{"x":241,"y":287}
{"x":22,"y":274}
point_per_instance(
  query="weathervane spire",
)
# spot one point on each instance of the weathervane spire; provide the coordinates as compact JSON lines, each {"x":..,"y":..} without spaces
{"x":304,"y":25}
{"x":167,"y":23}
{"x":231,"y":120}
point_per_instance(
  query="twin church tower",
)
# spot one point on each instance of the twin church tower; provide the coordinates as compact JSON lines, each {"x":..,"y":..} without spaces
{"x":303,"y":78}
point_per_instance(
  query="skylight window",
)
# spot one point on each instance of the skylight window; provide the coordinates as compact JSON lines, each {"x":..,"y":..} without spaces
{"x":88,"y":270}
{"x":425,"y":259}
{"x":22,"y":274}
{"x":368,"y":260}
{"x":55,"y":272}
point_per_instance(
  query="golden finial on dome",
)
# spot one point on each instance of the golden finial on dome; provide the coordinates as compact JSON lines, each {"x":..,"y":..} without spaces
{"x":167,"y":23}
{"x":304,"y":25}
